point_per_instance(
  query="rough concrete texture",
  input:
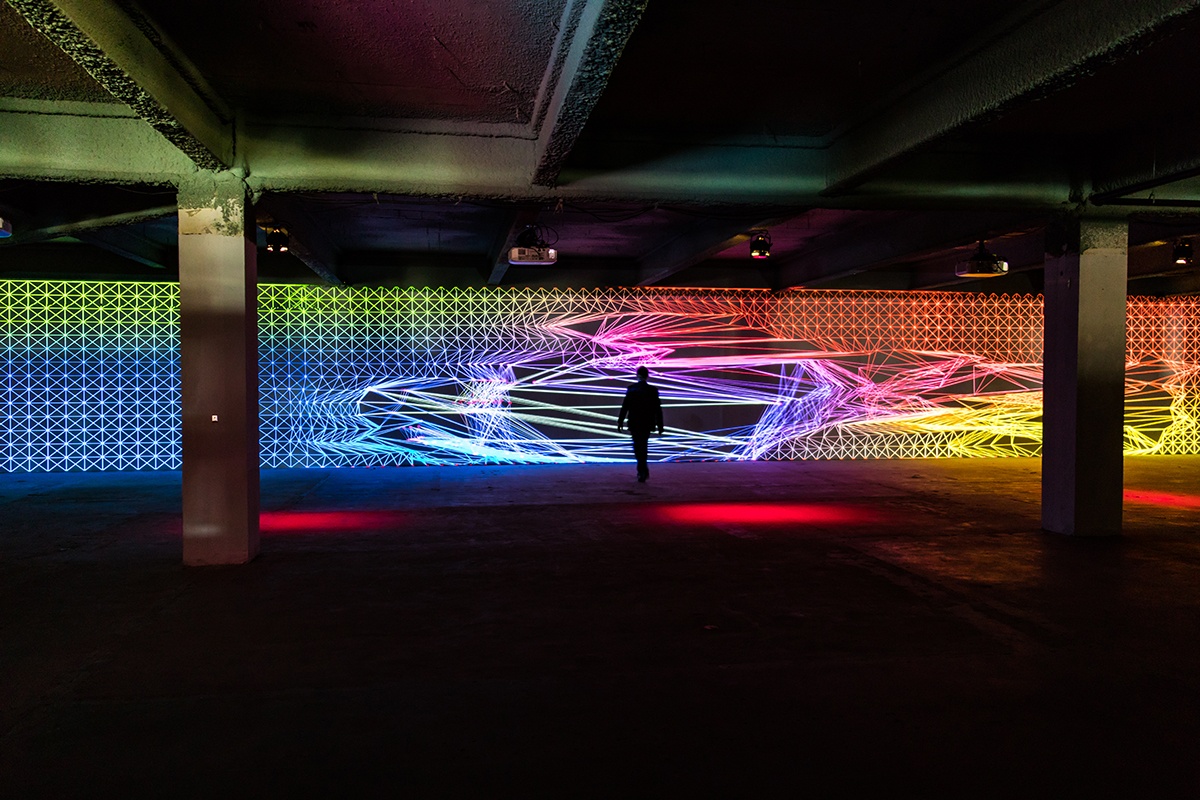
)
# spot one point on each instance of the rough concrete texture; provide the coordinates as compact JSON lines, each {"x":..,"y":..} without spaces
{"x":1105,"y":234}
{"x":87,"y":147}
{"x":450,"y":59}
{"x":596,"y":42}
{"x":1044,"y":47}
{"x":337,"y":160}
{"x":853,"y":629}
{"x":213,"y":202}
{"x":80,"y":44}
{"x":32,"y":67}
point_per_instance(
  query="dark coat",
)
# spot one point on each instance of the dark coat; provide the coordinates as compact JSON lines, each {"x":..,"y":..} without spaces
{"x":643,"y":409}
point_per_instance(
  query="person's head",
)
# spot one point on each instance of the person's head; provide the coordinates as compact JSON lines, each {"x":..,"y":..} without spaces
{"x":643,"y":373}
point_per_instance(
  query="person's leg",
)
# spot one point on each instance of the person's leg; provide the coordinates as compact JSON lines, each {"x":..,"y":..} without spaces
{"x":641,"y":443}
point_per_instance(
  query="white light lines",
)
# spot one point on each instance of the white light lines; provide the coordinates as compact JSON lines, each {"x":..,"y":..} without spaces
{"x":459,"y":376}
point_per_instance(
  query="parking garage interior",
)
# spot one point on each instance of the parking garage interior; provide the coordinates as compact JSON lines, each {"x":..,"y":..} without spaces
{"x":317,"y":321}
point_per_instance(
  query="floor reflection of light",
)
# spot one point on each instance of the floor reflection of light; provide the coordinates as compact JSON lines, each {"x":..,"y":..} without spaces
{"x":1162,"y":498}
{"x":284,"y":522}
{"x":763,"y":514}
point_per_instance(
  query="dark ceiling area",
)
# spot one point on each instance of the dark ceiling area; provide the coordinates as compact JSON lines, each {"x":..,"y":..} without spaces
{"x":411,"y":143}
{"x":763,"y":67}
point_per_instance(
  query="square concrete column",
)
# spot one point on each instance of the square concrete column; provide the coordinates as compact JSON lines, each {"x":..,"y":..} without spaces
{"x":218,"y":310}
{"x":1084,"y":382}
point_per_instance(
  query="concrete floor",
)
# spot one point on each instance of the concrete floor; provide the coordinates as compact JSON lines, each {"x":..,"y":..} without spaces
{"x":842,"y":629}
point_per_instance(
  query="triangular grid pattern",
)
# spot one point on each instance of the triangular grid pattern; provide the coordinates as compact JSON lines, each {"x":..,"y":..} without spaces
{"x":460,"y":376}
{"x":91,"y":376}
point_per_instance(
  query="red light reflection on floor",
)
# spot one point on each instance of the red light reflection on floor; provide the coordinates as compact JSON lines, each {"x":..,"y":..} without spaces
{"x":276,"y":523}
{"x":1162,"y":499}
{"x":764,"y":514}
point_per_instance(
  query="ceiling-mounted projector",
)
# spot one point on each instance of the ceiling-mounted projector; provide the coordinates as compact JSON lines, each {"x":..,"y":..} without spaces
{"x":981,"y":264}
{"x":532,"y":256}
{"x":532,"y":249}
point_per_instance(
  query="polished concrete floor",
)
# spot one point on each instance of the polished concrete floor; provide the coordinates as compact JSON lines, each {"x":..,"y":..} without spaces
{"x":836,"y":629}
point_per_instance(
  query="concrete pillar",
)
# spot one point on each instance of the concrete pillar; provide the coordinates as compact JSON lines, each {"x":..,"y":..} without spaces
{"x":1084,"y":382}
{"x":218,"y":299}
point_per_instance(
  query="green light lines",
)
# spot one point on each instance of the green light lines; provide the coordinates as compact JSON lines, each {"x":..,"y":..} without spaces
{"x":459,"y":376}
{"x":91,"y":376}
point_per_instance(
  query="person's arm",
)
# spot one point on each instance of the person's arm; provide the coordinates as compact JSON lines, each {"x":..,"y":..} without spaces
{"x":624,"y":411}
{"x":658,"y":415}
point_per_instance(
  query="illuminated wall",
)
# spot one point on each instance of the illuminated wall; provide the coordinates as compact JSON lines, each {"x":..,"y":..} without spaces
{"x":91,"y":376}
{"x":395,"y":376}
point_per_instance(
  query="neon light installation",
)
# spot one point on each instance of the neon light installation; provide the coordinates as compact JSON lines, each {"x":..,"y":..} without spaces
{"x":460,"y":376}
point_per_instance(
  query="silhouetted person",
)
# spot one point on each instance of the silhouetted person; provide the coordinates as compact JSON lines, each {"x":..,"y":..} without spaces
{"x":644,"y":412}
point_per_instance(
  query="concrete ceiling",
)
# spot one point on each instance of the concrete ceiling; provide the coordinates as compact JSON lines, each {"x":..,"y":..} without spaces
{"x":455,"y":60}
{"x":407,"y":142}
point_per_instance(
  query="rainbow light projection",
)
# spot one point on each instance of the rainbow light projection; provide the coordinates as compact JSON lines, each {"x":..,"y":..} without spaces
{"x":91,"y":376}
{"x":440,"y":376}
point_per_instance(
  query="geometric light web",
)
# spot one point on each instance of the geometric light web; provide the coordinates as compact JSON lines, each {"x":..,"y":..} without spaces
{"x":467,"y":376}
{"x":1162,"y":376}
{"x":91,"y":376}
{"x":454,"y":376}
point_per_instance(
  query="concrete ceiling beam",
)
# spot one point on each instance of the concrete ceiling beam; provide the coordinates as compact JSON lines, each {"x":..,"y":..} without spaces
{"x":94,"y":142}
{"x":127,"y":55}
{"x":703,"y":241}
{"x":107,"y":143}
{"x":1042,"y":48}
{"x":285,"y":159}
{"x":92,"y":225}
{"x":1148,"y":161}
{"x":307,"y":240}
{"x":589,"y":45}
{"x":111,"y":233}
{"x":310,"y":247}
{"x":352,"y":159}
{"x":899,"y":238}
{"x":131,"y":246}
{"x":1166,"y":286}
{"x":515,"y":222}
{"x":795,"y":176}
